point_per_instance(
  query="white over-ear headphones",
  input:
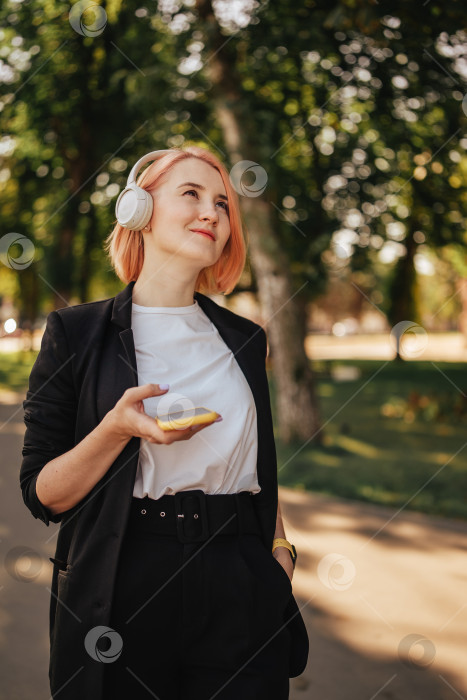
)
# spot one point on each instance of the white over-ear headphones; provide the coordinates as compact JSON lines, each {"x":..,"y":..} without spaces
{"x":134,"y":205}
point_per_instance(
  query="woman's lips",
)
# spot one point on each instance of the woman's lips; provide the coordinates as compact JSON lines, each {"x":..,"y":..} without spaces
{"x":202,"y":233}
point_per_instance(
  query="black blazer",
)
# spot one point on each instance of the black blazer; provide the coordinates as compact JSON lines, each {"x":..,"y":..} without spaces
{"x":86,"y":361}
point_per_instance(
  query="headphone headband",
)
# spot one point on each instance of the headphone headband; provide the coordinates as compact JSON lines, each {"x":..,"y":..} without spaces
{"x":153,"y":155}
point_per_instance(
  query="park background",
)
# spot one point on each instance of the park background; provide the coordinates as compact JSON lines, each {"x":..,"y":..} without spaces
{"x":347,"y":121}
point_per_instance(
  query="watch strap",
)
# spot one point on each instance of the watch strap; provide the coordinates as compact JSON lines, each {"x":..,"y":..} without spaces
{"x":281,"y":542}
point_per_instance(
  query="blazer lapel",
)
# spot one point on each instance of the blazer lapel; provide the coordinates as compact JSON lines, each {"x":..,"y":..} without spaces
{"x":242,"y":346}
{"x":117,"y":370}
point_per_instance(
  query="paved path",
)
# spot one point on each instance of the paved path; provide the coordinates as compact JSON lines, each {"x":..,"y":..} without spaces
{"x":387,"y":615}
{"x":368,"y":578}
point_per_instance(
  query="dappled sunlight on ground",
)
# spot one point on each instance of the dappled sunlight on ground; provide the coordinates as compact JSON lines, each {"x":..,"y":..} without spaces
{"x":443,"y":347}
{"x":388,"y":599}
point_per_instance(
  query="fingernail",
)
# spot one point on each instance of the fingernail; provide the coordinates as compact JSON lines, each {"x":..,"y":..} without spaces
{"x":163,"y":387}
{"x":218,"y":419}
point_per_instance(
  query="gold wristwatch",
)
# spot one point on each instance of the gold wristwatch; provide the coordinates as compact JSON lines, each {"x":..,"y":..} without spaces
{"x":281,"y":542}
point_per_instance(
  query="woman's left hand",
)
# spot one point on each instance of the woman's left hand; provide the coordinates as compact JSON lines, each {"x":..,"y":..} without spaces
{"x":282,"y":555}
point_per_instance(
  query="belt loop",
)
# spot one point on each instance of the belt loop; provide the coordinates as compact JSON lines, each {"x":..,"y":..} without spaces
{"x":239,"y":515}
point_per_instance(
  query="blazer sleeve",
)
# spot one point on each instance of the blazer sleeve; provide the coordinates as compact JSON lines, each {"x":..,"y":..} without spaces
{"x":49,"y":413}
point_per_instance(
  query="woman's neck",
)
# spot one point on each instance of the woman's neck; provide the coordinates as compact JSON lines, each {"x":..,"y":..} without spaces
{"x":150,"y":293}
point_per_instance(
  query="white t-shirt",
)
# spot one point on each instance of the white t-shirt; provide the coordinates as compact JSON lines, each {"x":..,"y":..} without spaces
{"x":180,"y":346}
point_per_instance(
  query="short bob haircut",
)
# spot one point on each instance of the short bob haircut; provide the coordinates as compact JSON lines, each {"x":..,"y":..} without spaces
{"x":125,"y":247}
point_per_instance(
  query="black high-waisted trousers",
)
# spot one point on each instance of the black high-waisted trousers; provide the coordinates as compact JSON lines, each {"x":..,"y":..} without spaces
{"x":199,"y":619}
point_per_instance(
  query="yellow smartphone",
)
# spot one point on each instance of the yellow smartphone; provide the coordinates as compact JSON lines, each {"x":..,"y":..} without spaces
{"x":179,"y":420}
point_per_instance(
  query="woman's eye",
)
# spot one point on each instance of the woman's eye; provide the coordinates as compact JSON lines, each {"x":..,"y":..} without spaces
{"x":224,"y":204}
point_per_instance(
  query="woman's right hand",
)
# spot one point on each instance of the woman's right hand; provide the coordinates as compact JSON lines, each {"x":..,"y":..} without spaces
{"x":127,"y":419}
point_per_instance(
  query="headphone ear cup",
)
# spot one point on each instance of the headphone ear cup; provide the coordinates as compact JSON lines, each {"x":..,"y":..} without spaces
{"x":134,"y":207}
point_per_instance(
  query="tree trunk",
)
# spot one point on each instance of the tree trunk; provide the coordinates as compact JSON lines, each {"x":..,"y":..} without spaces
{"x":296,"y":401}
{"x":403,"y":287}
{"x":66,"y":273}
{"x":296,"y":404}
{"x":85,"y":270}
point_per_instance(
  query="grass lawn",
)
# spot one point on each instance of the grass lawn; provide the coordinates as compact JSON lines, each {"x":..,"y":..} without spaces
{"x":15,"y":368}
{"x":375,"y":447}
{"x":418,"y":458}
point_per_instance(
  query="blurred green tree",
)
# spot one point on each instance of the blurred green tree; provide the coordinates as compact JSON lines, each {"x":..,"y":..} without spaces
{"x":71,"y":106}
{"x":351,"y":115}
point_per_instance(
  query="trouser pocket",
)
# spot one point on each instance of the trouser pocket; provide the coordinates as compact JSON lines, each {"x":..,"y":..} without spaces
{"x":270,"y":589}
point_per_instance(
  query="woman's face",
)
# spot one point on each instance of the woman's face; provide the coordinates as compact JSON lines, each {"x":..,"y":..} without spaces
{"x":190,"y":198}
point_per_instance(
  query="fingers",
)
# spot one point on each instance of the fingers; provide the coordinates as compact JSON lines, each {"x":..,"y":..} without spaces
{"x":187,"y":433}
{"x":146,"y":426}
{"x":140,"y":392}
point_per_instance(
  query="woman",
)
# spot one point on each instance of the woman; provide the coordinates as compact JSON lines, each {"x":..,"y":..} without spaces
{"x":163,"y":582}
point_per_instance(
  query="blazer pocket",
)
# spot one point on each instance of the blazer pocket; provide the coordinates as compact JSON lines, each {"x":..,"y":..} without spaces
{"x":62,"y":611}
{"x":62,"y":565}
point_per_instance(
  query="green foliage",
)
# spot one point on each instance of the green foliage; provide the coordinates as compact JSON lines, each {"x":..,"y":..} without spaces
{"x":447,"y":407}
{"x":75,"y":107}
{"x":15,"y":368}
{"x":354,"y":112}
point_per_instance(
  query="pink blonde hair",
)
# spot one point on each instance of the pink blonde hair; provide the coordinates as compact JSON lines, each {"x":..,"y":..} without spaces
{"x":125,"y":247}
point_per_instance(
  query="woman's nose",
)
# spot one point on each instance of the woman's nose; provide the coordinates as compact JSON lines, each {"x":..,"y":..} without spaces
{"x":209,"y":212}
